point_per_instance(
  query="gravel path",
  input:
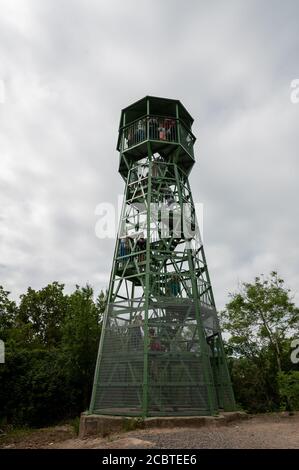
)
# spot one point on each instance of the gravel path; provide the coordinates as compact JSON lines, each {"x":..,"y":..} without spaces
{"x":263,"y":432}
{"x":278,"y":430}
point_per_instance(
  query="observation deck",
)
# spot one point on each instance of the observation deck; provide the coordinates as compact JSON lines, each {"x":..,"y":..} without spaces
{"x":163,"y":123}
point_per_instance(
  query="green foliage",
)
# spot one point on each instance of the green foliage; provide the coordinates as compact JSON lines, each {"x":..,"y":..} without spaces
{"x":259,"y":322}
{"x":76,"y":425}
{"x":81,"y":333}
{"x":51,"y":342}
{"x":255,"y":387}
{"x":44,"y":311}
{"x":288,"y":384}
{"x":33,"y":388}
{"x":7,"y":313}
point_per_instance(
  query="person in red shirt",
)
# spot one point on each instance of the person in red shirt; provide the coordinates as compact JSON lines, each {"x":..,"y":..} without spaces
{"x":154,"y":344}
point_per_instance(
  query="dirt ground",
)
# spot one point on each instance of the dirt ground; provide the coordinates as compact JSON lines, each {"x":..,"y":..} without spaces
{"x":277,"y":430}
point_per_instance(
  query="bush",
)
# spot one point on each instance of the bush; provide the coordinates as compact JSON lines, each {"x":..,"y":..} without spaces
{"x":51,"y":344}
{"x":288,"y":384}
{"x":34,"y":388}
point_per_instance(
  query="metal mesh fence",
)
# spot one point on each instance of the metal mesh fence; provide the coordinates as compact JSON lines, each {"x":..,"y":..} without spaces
{"x":171,"y":350}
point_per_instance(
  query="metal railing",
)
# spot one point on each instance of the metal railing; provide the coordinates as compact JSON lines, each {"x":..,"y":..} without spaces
{"x":157,"y":128}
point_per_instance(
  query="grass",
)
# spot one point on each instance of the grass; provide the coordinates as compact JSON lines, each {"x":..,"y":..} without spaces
{"x":37,"y":437}
{"x":130,"y":424}
{"x":12,"y":434}
{"x":75,"y":423}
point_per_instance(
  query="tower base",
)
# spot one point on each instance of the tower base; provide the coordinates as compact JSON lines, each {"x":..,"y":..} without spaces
{"x":102,"y":425}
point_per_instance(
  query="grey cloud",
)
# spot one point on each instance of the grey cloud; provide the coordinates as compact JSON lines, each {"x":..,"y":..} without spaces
{"x":70,"y":66}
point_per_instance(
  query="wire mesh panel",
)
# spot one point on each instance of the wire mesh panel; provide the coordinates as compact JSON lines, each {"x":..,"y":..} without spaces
{"x":177,"y":383}
{"x":120,"y":380}
{"x":176,"y":380}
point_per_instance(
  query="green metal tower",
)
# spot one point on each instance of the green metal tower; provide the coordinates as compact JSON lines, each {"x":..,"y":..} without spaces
{"x":161,"y":351}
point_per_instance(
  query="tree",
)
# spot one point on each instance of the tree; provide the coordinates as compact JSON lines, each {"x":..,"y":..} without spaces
{"x":8,"y":311}
{"x":51,"y":344}
{"x":81,"y":334}
{"x":261,"y":315}
{"x":288,"y":384}
{"x":43,"y":312}
{"x":259,"y":322}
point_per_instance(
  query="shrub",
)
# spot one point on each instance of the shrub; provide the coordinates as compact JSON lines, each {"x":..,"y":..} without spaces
{"x":288,"y":383}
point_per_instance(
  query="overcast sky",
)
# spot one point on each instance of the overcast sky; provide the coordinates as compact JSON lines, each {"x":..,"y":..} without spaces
{"x":66,"y":70}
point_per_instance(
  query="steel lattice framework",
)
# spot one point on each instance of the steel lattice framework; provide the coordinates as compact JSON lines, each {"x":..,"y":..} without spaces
{"x":161,"y":351}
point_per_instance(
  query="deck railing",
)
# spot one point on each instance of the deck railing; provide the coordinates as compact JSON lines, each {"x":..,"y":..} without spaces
{"x":156,"y":128}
